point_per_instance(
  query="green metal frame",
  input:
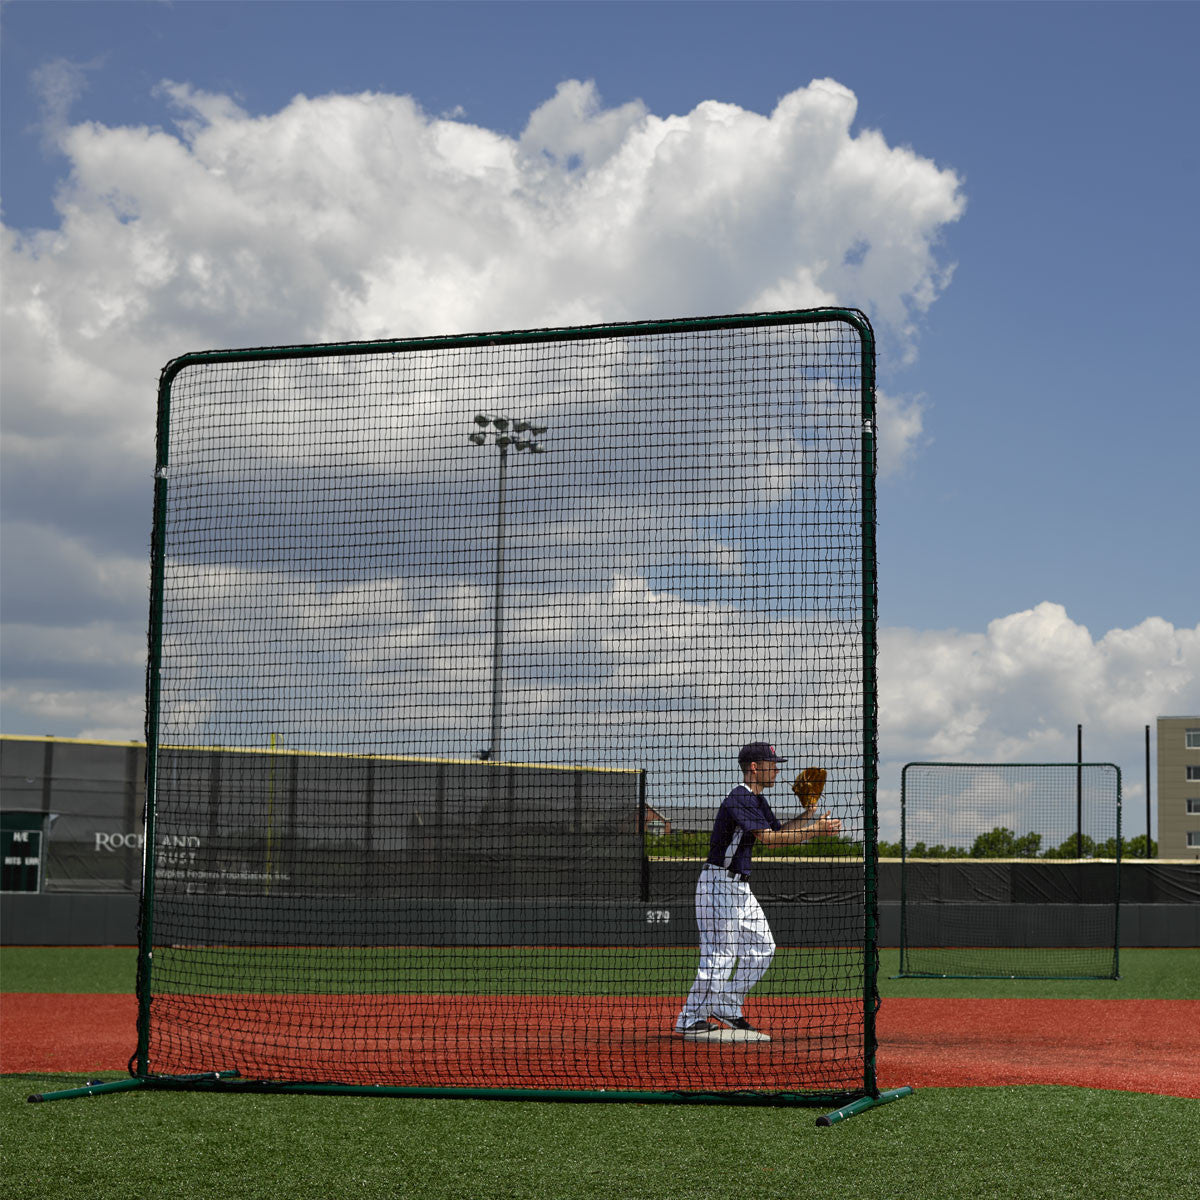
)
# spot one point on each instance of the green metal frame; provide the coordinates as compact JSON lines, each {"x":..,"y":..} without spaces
{"x":906,"y":974}
{"x":850,"y":1103}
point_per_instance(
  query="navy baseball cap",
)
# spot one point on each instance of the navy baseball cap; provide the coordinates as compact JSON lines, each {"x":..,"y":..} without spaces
{"x":759,"y":752}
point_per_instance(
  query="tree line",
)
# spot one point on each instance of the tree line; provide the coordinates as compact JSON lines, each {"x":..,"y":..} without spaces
{"x":1000,"y":842}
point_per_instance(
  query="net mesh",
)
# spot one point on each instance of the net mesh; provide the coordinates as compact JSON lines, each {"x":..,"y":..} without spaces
{"x":458,"y":641}
{"x":1010,"y":870}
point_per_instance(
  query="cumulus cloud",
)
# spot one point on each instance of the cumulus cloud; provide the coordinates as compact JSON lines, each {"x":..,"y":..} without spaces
{"x":1020,"y":688}
{"x":361,"y":216}
{"x":1016,"y":692}
{"x":901,"y":421}
{"x":58,"y":575}
{"x":573,"y":129}
{"x":102,"y":714}
{"x":407,"y":662}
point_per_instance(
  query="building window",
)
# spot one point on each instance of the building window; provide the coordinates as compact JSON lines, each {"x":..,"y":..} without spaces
{"x":1193,"y":774}
{"x":1192,"y":739}
{"x":1193,"y":806}
{"x":1194,"y":840}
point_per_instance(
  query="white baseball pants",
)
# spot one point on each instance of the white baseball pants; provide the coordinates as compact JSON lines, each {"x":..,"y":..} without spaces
{"x":733,"y":932}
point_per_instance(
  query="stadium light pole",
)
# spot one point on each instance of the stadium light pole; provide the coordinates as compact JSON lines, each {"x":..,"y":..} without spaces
{"x":505,"y":434}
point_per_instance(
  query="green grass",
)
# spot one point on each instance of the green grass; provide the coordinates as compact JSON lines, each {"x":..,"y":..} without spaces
{"x":1145,"y":974}
{"x":78,"y":969}
{"x":947,"y":1144}
{"x":1041,"y":1143}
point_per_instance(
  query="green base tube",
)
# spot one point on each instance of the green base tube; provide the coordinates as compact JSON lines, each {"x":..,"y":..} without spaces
{"x":89,"y":1089}
{"x":99,"y":1087}
{"x":863,"y":1104}
{"x":598,"y":1096}
{"x":230,"y":1081}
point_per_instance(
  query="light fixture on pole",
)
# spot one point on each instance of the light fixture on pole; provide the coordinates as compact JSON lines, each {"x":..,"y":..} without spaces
{"x":498,"y":429}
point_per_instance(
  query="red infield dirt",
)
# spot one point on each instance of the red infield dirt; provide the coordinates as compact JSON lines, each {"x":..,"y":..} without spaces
{"x":1127,"y":1045}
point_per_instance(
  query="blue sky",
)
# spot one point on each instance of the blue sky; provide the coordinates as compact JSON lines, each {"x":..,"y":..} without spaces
{"x":1048,"y":376}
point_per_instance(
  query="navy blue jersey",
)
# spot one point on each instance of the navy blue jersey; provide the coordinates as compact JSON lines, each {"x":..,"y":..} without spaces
{"x":740,"y":814}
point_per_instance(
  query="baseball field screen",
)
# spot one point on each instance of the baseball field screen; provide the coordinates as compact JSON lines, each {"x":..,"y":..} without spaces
{"x":453,"y":641}
{"x":1010,"y":870}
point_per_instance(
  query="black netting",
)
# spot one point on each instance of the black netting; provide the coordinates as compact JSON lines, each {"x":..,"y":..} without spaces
{"x":451,"y":632}
{"x":1010,"y":870}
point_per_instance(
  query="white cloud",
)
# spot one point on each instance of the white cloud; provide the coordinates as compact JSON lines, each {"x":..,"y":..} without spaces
{"x":53,"y":573}
{"x":101,"y":714}
{"x":1017,"y":692}
{"x":358,"y":216}
{"x":573,"y":130}
{"x":901,"y":421}
{"x":98,"y":644}
{"x":406,"y":661}
{"x":1020,"y":688}
{"x":362,"y":216}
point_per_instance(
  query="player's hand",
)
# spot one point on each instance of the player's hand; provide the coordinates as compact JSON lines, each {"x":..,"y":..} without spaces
{"x":825,"y":823}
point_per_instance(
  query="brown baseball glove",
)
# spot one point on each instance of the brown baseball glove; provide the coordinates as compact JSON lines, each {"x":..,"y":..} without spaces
{"x":809,"y":785}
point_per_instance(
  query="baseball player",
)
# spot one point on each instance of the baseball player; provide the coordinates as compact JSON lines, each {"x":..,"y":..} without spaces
{"x":733,"y":926}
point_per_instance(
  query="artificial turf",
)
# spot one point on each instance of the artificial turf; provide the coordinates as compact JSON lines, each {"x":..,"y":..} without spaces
{"x":1043,"y":1142}
{"x":1146,"y":974}
{"x":1015,"y":1142}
